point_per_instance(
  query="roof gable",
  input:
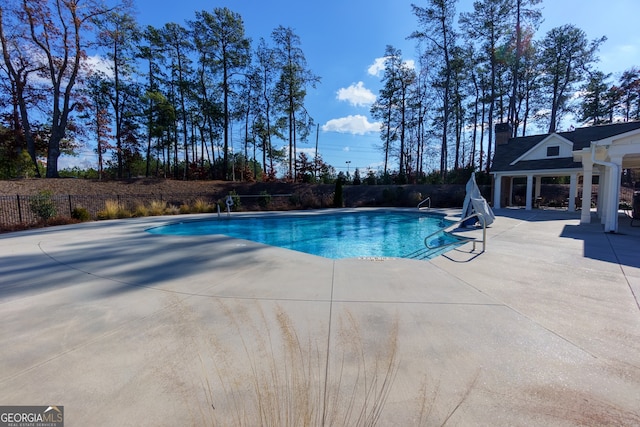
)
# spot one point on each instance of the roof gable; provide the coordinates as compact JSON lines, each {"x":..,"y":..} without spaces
{"x":630,"y":137}
{"x":545,"y":149}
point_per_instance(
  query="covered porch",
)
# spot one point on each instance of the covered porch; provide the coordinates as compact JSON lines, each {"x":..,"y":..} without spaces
{"x":504,"y":187}
{"x":607,"y":158}
{"x":579,"y":154}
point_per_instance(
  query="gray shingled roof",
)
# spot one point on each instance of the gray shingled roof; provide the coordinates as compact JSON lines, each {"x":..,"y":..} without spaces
{"x":582,"y":137}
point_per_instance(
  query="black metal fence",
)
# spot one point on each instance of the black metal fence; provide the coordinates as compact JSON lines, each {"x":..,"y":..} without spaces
{"x":19,"y":210}
{"x":16,"y":210}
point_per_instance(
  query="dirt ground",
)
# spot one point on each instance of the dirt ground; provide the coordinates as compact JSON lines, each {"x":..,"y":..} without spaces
{"x":93,"y":194}
{"x":151,"y":187}
{"x":73,"y":186}
{"x":355,"y":195}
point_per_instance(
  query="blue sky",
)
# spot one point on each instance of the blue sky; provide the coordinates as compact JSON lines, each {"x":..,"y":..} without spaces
{"x":342,"y":39}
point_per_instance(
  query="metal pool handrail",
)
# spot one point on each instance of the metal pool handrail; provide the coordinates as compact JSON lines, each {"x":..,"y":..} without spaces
{"x":428,"y":199}
{"x":469,"y":239}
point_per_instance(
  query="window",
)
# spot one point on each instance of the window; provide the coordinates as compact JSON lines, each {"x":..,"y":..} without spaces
{"x":553,"y":151}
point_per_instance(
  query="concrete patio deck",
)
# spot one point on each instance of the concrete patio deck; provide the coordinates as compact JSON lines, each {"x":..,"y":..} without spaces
{"x":126,"y":328}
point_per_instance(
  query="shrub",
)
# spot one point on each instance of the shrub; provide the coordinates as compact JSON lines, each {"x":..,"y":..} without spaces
{"x":43,"y":205}
{"x":398,"y":197}
{"x":157,"y":207}
{"x":236,"y":199}
{"x":140,"y":211}
{"x":415,"y":197}
{"x":172,"y":210}
{"x":388,"y":196}
{"x":326,"y":199}
{"x":113,"y":209}
{"x":306,"y":199}
{"x":201,"y":206}
{"x":265,"y":199}
{"x":294,"y":200}
{"x":80,"y":214}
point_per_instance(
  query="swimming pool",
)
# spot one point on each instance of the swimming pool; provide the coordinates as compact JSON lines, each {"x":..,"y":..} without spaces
{"x":377,"y":233}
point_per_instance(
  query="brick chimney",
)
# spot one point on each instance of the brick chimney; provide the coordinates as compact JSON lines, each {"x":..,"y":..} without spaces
{"x":503,"y":133}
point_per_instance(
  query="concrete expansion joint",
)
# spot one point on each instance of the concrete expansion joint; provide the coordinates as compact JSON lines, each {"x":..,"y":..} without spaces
{"x":325,"y":395}
{"x":624,"y":274}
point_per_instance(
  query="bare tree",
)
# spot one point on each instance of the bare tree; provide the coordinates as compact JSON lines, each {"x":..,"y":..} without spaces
{"x":46,"y":38}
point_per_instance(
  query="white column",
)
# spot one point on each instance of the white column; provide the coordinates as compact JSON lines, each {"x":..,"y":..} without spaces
{"x":613,"y":196}
{"x":529,"y":192}
{"x":587,"y":178}
{"x":603,"y":179}
{"x":497,"y":191}
{"x":573,"y":191}
{"x":536,"y":189}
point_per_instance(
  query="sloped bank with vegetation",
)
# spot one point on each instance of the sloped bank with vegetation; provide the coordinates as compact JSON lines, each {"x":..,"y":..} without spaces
{"x":38,"y":202}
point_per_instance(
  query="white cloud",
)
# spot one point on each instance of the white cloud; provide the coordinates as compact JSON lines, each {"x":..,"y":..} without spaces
{"x":356,"y":125}
{"x":357,"y":95}
{"x":377,"y":67}
{"x":100,"y":64}
{"x":309,"y":151}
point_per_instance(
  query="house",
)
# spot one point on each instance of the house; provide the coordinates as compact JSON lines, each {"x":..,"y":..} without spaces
{"x":584,"y":152}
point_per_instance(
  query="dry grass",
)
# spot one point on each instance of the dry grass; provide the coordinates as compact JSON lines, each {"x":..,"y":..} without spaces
{"x":284,"y":377}
{"x":172,"y":210}
{"x":235,"y":364}
{"x":201,"y":206}
{"x":140,"y":211}
{"x":157,"y":207}
{"x":284,"y":382}
{"x":112,"y":210}
{"x":360,"y":400}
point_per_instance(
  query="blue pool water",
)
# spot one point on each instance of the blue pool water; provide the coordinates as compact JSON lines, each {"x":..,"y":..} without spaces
{"x":342,"y":235}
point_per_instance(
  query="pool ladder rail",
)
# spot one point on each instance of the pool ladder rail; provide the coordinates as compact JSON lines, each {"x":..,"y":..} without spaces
{"x":460,"y":239}
{"x":427,"y":200}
